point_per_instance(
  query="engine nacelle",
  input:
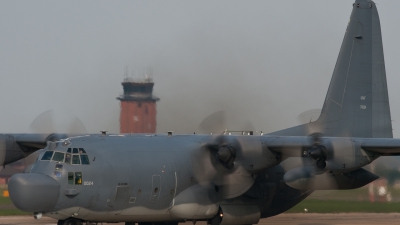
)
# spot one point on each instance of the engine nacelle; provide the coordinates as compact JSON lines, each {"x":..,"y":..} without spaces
{"x":239,"y":214}
{"x":196,"y":202}
{"x":307,"y":178}
{"x":345,"y":155}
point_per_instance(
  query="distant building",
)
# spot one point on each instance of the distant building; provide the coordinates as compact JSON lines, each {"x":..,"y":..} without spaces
{"x":138,"y":106}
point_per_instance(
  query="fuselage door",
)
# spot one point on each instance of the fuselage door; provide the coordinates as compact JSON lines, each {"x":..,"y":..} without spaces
{"x":155,"y":192}
{"x":121,"y":199}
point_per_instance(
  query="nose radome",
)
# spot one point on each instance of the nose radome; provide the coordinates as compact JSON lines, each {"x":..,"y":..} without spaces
{"x":32,"y":192}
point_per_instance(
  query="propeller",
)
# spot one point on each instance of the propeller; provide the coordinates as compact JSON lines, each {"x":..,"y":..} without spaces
{"x":52,"y":121}
{"x":309,"y":116}
{"x":322,"y":160}
{"x":229,"y":176}
{"x":3,"y":149}
{"x":214,"y":122}
{"x":318,"y":151}
{"x":58,"y":125}
{"x":222,"y":120}
{"x":219,"y":161}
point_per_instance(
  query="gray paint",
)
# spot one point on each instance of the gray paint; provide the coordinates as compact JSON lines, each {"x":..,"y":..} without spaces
{"x":357,"y":103}
{"x":183,"y":177}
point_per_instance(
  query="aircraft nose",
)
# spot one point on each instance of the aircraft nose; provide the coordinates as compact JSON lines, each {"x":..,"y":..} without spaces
{"x":32,"y":192}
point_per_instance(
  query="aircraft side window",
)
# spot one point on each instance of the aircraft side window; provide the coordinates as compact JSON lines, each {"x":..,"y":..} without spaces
{"x":71,"y":178}
{"x":75,"y":150}
{"x":40,"y":156}
{"x":58,"y":157}
{"x":82,"y":151}
{"x":57,"y":174}
{"x":78,"y":178}
{"x":69,"y":150}
{"x":47,"y":155}
{"x":85,"y":159}
{"x":68,"y":158}
{"x":76,"y":160}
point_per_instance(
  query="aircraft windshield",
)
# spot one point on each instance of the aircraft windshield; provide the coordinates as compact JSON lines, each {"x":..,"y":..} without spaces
{"x":74,"y":156}
{"x":47,"y":155}
{"x":76,"y":160}
{"x":58,"y":157}
{"x":84,"y":159}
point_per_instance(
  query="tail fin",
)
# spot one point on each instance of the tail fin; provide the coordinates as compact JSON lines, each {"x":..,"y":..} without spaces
{"x":357,"y":102}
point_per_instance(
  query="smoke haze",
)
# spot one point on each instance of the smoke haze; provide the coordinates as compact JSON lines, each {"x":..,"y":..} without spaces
{"x":260,"y":61}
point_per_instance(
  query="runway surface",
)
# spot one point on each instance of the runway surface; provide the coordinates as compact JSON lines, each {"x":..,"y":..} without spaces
{"x":287,"y":219}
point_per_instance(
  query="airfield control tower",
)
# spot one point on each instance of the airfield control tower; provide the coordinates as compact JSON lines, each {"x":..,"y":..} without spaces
{"x":138,"y":106}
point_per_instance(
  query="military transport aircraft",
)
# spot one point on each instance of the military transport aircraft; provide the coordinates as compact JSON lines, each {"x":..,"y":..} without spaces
{"x":222,"y":179}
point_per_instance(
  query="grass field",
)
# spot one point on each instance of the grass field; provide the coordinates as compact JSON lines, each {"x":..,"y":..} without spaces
{"x":6,"y":206}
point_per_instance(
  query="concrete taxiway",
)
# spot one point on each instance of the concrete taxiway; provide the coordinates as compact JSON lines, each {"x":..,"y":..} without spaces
{"x":287,"y":219}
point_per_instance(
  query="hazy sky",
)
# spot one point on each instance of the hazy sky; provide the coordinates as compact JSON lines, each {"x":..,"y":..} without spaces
{"x":262,"y":61}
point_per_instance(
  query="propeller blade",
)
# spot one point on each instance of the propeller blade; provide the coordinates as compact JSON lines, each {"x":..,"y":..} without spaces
{"x":215,"y":122}
{"x":235,"y":183}
{"x":222,"y":120}
{"x":52,"y":121}
{"x":3,"y":149}
{"x":216,"y":163}
{"x":309,"y":116}
{"x":44,"y":123}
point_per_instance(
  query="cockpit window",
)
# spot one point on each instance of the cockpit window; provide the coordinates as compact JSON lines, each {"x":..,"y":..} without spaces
{"x":40,"y":156}
{"x":47,"y":155}
{"x":76,"y":160}
{"x":84,"y":159}
{"x":58,"y":157}
{"x":70,"y":177}
{"x":75,"y":178}
{"x":67,"y":158}
{"x":78,"y":178}
{"x":74,"y":156}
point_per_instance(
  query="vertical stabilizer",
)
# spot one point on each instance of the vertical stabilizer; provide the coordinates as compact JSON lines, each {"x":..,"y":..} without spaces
{"x":357,"y":102}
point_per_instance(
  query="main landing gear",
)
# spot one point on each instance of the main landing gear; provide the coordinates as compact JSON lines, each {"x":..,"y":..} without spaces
{"x":150,"y":223}
{"x":70,"y":221}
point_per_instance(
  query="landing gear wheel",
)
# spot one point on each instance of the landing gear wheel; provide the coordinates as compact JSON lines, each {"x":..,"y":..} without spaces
{"x":214,"y":221}
{"x":70,"y":221}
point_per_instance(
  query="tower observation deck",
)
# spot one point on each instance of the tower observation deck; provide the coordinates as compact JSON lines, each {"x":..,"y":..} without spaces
{"x":138,"y":106}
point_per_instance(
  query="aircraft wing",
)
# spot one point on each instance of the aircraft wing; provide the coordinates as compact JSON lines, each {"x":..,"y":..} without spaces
{"x":290,"y":145}
{"x":35,"y":141}
{"x":382,"y":146}
{"x":14,"y":147}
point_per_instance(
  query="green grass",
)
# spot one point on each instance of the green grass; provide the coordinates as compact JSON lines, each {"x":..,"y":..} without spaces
{"x":342,"y":206}
{"x":13,"y":212}
{"x":7,"y":208}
